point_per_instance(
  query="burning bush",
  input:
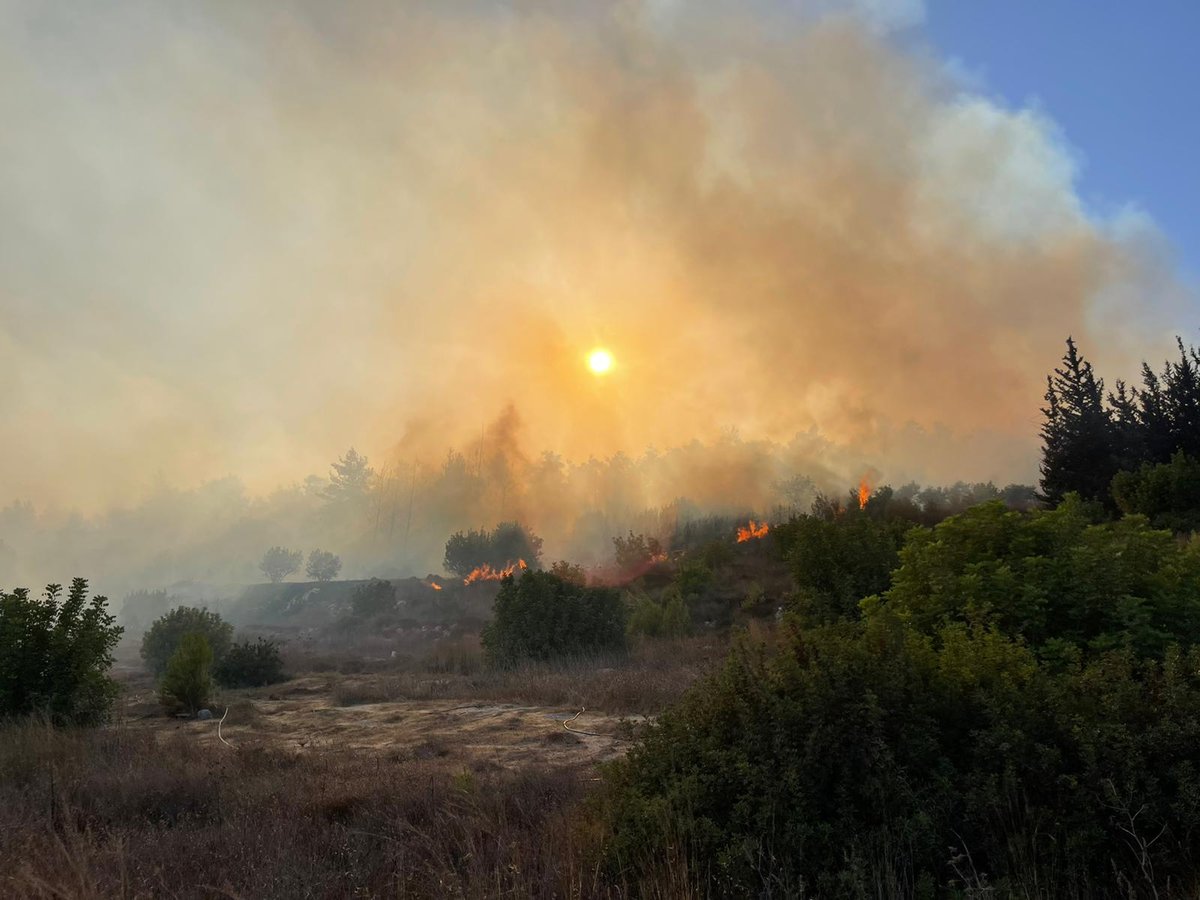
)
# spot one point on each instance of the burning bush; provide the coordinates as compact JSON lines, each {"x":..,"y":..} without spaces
{"x":503,"y":546}
{"x":540,"y":616}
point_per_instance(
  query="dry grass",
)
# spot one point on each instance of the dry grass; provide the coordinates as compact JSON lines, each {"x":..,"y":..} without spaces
{"x":124,"y":812}
{"x":435,"y":800}
{"x":644,"y":682}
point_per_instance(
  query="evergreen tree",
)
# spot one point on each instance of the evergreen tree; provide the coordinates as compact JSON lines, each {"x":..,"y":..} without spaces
{"x":1129,"y":437}
{"x":1182,"y":395}
{"x":350,"y":478}
{"x":1078,"y":436}
{"x":1154,"y":420}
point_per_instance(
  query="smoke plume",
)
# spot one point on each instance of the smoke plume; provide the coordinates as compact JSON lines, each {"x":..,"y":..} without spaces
{"x":237,"y":238}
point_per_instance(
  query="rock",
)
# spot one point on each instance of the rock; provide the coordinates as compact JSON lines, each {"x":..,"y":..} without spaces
{"x":204,"y":715}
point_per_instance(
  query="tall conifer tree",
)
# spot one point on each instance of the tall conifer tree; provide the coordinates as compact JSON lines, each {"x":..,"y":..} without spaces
{"x":1078,"y":437}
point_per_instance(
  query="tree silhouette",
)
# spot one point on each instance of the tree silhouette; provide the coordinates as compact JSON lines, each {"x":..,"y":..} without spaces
{"x":278,"y":563}
{"x":323,"y":565}
{"x":350,"y":478}
{"x":1078,"y":435}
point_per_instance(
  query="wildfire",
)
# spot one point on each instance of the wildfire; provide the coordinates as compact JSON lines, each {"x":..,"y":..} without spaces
{"x":434,"y":585}
{"x":487,"y":573}
{"x":752,"y":531}
{"x":864,"y":492}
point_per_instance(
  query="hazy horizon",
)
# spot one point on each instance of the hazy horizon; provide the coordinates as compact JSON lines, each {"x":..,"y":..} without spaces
{"x":235,"y":241}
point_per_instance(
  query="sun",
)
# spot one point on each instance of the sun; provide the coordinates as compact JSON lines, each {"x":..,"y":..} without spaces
{"x":600,"y":361}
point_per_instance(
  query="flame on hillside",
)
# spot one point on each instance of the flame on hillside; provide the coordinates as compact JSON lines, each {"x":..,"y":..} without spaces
{"x":487,"y":573}
{"x":434,"y":585}
{"x":864,"y":492}
{"x":752,"y":531}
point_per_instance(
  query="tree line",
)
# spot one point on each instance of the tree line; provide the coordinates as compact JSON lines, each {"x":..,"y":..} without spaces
{"x":1090,"y":436}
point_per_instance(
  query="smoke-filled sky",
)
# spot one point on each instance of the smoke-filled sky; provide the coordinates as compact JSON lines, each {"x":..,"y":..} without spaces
{"x":236,"y":238}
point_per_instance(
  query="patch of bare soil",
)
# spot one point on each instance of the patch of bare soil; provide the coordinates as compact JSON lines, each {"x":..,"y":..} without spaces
{"x":303,"y":716}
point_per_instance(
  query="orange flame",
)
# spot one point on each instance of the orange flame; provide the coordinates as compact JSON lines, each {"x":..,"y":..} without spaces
{"x":751,"y":531}
{"x":864,"y":492}
{"x":434,"y":585}
{"x":487,"y":573}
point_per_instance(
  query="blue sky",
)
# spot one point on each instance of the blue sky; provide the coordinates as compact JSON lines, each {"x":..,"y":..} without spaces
{"x":1121,"y":79}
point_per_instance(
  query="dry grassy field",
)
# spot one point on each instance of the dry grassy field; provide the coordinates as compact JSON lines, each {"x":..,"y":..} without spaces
{"x":440,"y":780}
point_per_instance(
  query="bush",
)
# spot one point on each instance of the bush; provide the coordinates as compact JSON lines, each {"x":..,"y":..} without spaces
{"x":507,"y":543}
{"x":1052,"y":578}
{"x":667,"y":617}
{"x":838,"y":559}
{"x":55,"y":654}
{"x":633,"y":554}
{"x":250,"y":665}
{"x":1026,"y":694}
{"x":374,"y":598}
{"x":1167,"y":494}
{"x":568,"y":571}
{"x":187,"y":682}
{"x":323,"y":565}
{"x":165,"y":635}
{"x":540,"y":616}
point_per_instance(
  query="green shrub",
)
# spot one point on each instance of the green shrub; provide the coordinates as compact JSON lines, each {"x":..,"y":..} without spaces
{"x":187,"y":682}
{"x":165,"y":635}
{"x":1168,"y":494}
{"x":837,"y":560}
{"x":864,"y":752}
{"x":666,"y":617}
{"x":250,"y":665}
{"x":55,"y":654}
{"x":376,"y":597}
{"x":540,"y":616}
{"x":1020,"y":709}
{"x":1052,"y":578}
{"x":568,"y":571}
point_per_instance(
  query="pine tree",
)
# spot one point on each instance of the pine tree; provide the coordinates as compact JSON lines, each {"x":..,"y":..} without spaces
{"x":1182,"y":395}
{"x":1079,"y":450}
{"x":350,"y":478}
{"x":1129,"y":437}
{"x":1154,"y":420}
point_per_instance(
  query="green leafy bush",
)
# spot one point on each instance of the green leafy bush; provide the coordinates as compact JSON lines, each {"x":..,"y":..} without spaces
{"x":187,"y":682}
{"x":250,"y":665}
{"x":1053,"y":578}
{"x":540,"y":616}
{"x":55,"y":653}
{"x":666,"y":617}
{"x":839,"y":558}
{"x":1018,"y":714}
{"x":165,"y":635}
{"x":1168,"y":494}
